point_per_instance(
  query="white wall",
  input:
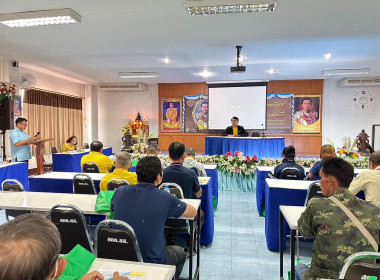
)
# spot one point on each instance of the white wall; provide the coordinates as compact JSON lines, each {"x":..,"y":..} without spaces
{"x":342,"y":118}
{"x":117,"y":108}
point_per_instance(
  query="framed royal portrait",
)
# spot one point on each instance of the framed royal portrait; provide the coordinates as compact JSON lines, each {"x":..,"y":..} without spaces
{"x":307,"y":114}
{"x":195,"y":113}
{"x":171,"y":115}
{"x":17,"y":106}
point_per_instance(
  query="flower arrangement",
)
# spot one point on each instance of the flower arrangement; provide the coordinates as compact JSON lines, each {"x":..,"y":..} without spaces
{"x":139,"y":148}
{"x":347,"y":153}
{"x":126,"y":129}
{"x":7,"y":90}
{"x":305,"y":162}
{"x":237,"y":164}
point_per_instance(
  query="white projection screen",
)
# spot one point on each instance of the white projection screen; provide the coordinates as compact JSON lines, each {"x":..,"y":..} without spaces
{"x":245,"y":101}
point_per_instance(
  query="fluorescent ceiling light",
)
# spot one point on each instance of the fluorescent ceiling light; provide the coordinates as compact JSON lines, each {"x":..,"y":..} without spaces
{"x":138,"y":75}
{"x":206,"y":74}
{"x":327,"y":56}
{"x":270,"y":71}
{"x":166,"y":60}
{"x":219,"y":7}
{"x":35,"y":18}
{"x":342,"y":72}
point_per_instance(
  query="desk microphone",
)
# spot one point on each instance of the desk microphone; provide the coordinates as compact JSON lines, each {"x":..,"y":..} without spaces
{"x":262,"y":125}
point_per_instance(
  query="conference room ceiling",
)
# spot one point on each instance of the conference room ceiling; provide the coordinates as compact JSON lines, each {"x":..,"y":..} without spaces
{"x":134,"y":36}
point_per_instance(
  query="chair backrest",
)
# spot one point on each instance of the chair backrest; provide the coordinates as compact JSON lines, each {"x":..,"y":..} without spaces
{"x":83,"y":184}
{"x":313,"y":191}
{"x":195,"y":169}
{"x":174,"y":189}
{"x":290,"y":173}
{"x":116,"y":240}
{"x":86,"y":146}
{"x":255,"y":133}
{"x":53,"y":150}
{"x":90,"y":167}
{"x":13,"y":185}
{"x":72,"y":227}
{"x":153,"y":141}
{"x":354,"y":266}
{"x":114,"y":183}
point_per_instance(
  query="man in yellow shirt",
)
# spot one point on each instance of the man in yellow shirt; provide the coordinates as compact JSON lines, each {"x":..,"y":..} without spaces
{"x":96,"y":155}
{"x":123,"y":161}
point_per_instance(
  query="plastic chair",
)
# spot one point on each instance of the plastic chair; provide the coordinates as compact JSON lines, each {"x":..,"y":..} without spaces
{"x":255,"y":133}
{"x":83,"y":184}
{"x":90,"y":167}
{"x":116,"y":240}
{"x":355,"y":268}
{"x":114,"y":183}
{"x":13,"y":185}
{"x":313,"y":191}
{"x":53,"y":150}
{"x":86,"y":146}
{"x":290,"y":173}
{"x":196,"y":170}
{"x":72,"y":227}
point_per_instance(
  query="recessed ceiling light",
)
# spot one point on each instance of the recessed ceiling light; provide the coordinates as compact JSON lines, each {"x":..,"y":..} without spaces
{"x":36,"y":18}
{"x":327,"y":56}
{"x":205,"y":74}
{"x":166,"y":60}
{"x":219,"y":7}
{"x":138,"y":75}
{"x":342,"y":72}
{"x":270,"y":71}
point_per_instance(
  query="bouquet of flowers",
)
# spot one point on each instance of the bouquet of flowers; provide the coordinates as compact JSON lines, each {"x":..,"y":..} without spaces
{"x":126,"y":129}
{"x":139,"y":148}
{"x":237,"y":164}
{"x":347,"y":153}
{"x":7,"y":90}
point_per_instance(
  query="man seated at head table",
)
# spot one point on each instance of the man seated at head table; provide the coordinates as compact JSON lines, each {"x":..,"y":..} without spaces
{"x":336,"y":235}
{"x":123,"y":162}
{"x":153,"y":150}
{"x":96,"y":155}
{"x":369,"y":181}
{"x":29,"y":249}
{"x":190,"y":162}
{"x":288,"y":154}
{"x":235,"y":129}
{"x":146,"y":209}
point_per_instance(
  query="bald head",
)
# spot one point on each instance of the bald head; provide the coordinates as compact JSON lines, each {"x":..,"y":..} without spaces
{"x":374,"y":158}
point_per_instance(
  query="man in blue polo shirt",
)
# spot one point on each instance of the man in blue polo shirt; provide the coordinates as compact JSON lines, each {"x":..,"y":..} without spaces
{"x":20,"y":141}
{"x":146,"y":209}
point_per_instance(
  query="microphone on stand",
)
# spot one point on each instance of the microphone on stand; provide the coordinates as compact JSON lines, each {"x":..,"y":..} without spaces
{"x":262,"y":125}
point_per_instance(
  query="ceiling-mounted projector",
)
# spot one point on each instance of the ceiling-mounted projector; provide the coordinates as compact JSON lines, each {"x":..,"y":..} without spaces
{"x":238,"y":68}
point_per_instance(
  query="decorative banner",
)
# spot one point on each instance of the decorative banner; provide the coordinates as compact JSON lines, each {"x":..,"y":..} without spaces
{"x":17,"y":106}
{"x":280,"y":109}
{"x":171,"y":119}
{"x":307,"y":114}
{"x":195,"y":113}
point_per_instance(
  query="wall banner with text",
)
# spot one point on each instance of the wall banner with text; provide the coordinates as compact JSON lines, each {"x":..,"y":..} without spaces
{"x":195,"y":113}
{"x":279,"y":113}
{"x":307,"y":114}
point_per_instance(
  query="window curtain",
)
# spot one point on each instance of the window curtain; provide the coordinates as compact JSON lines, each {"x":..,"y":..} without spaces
{"x":54,"y":115}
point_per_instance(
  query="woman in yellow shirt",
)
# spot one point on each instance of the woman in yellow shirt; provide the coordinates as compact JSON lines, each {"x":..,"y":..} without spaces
{"x":70,"y":145}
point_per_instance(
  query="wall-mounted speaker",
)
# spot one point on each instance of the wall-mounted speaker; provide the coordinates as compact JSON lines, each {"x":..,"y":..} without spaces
{"x":6,"y":114}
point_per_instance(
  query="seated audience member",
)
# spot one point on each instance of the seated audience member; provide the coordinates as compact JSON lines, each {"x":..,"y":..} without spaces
{"x":29,"y":249}
{"x":288,"y":154}
{"x":70,"y":145}
{"x":146,"y":209}
{"x":153,"y":150}
{"x":326,"y":151}
{"x":123,"y":162}
{"x":190,"y":162}
{"x":369,"y":181}
{"x":235,"y":129}
{"x":336,"y":236}
{"x":186,"y":178}
{"x":96,"y":155}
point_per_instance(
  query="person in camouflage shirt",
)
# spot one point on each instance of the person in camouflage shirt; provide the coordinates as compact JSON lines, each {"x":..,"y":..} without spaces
{"x":336,"y":236}
{"x":190,"y":162}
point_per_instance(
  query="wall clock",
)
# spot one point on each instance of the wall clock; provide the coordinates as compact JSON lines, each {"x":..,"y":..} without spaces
{"x":363,"y":99}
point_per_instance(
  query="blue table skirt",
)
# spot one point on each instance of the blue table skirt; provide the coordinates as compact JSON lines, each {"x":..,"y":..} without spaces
{"x":230,"y":182}
{"x":17,"y":171}
{"x":213,"y":174}
{"x":207,"y":232}
{"x":262,"y":147}
{"x":260,"y":189}
{"x":70,"y":162}
{"x":54,"y":185}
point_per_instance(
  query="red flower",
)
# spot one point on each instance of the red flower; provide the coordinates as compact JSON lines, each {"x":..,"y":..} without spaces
{"x":236,"y":169}
{"x":254,"y":158}
{"x":228,"y":154}
{"x":248,"y":158}
{"x":236,"y":153}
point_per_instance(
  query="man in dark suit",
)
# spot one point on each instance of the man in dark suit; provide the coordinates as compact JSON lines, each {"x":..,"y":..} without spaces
{"x":235,"y":129}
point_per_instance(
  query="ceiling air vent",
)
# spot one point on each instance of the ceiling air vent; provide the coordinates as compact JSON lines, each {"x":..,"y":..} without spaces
{"x":359,"y":82}
{"x":124,"y":87}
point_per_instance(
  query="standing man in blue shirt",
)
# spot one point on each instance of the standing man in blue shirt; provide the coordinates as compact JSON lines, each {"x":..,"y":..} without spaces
{"x":20,"y":141}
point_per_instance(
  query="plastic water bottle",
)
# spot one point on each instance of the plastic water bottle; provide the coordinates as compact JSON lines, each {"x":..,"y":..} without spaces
{"x":167,"y":189}
{"x":1,"y":160}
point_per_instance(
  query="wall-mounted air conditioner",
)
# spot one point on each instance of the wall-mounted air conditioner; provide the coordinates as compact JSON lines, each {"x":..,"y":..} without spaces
{"x":359,"y":82}
{"x":124,"y":87}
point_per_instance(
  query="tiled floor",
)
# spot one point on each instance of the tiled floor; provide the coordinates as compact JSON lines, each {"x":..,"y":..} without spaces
{"x":239,"y":249}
